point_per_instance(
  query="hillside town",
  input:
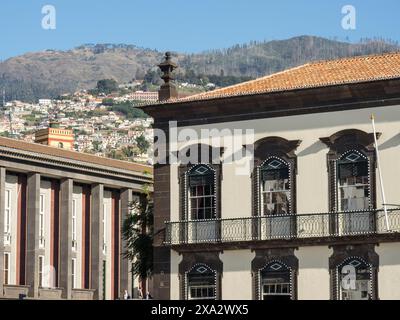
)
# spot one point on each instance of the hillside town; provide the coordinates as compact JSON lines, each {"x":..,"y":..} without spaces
{"x":97,"y":129}
{"x":103,"y":120}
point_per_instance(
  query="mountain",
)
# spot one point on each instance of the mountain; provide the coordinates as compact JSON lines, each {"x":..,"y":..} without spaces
{"x":50,"y":73}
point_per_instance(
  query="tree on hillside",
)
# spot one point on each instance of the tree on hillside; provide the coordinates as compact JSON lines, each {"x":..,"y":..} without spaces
{"x":128,"y":110}
{"x":142,"y":144}
{"x":107,"y":102}
{"x":107,"y":86}
{"x":96,"y":146}
{"x":129,"y":152}
{"x":153,"y":77}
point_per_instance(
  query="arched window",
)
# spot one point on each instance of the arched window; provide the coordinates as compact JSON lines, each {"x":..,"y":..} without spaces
{"x":61,"y":145}
{"x":275,"y":187}
{"x":355,"y":280}
{"x":201,"y":193}
{"x":201,"y":283}
{"x":276,"y":282}
{"x":351,"y":170}
{"x":353,"y":182}
{"x":274,"y":176}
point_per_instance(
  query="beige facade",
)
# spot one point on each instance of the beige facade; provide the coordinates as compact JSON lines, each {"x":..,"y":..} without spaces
{"x":236,"y":282}
{"x":311,"y":156}
{"x":313,"y":275}
{"x":312,"y":192}
{"x":389,"y":271}
{"x":306,"y":219}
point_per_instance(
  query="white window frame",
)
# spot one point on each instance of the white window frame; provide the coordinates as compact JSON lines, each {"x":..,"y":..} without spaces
{"x":41,"y":221}
{"x":41,"y":270}
{"x":264,"y":192}
{"x":363,"y":185}
{"x":190,"y":196}
{"x":104,"y":229}
{"x":7,"y":218}
{"x":74,"y":225}
{"x":201,"y":288}
{"x":348,"y":294}
{"x":73,"y":272}
{"x":363,"y":279}
{"x":7,"y":268}
{"x":201,"y":284}
{"x":211,"y":197}
{"x":278,"y":288}
{"x":343,"y":187}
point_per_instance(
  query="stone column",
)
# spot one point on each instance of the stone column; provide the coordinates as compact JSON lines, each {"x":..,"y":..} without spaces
{"x":160,"y":289}
{"x":2,"y":208}
{"x":32,"y":233}
{"x":96,"y":241}
{"x":65,"y":234}
{"x":124,"y":269}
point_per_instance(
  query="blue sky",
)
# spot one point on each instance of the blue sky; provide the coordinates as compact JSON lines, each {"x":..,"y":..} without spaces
{"x":186,"y":25}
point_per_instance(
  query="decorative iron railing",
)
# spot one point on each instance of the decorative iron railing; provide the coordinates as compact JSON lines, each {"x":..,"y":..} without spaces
{"x":295,"y":226}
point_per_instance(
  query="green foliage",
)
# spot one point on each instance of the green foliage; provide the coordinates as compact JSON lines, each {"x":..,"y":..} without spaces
{"x":5,"y":134}
{"x":64,"y":97}
{"x":92,"y":113}
{"x":129,"y":152}
{"x":138,"y":233}
{"x":153,"y":76}
{"x":219,"y":80}
{"x":105,"y":86}
{"x":114,"y":154}
{"x":96,"y":146}
{"x":142,"y":144}
{"x":80,"y":132}
{"x":107,"y":102}
{"x":128,"y":110}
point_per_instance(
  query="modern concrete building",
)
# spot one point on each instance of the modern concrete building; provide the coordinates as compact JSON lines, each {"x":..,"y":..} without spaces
{"x":305,"y":221}
{"x":61,"y":214}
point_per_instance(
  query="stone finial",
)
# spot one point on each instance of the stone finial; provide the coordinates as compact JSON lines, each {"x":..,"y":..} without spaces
{"x":168,"y":89}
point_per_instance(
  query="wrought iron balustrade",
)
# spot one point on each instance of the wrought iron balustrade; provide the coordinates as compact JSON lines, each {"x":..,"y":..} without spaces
{"x":294,"y":226}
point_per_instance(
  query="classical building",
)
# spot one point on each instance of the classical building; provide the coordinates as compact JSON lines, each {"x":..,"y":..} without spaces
{"x":305,"y":221}
{"x":60,"y":222}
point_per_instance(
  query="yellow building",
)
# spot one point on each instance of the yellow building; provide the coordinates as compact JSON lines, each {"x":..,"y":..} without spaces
{"x":55,"y":136}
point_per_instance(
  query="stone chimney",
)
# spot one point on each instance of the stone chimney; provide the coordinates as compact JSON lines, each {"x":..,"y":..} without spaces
{"x":168,"y":89}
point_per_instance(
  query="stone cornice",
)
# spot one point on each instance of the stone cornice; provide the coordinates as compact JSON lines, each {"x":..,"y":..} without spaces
{"x":278,"y":104}
{"x":65,"y":164}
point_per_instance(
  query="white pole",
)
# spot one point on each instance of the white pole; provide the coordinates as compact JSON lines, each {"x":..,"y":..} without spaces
{"x":380,"y":175}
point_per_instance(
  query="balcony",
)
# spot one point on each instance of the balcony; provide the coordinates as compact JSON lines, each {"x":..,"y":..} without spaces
{"x":282,"y":227}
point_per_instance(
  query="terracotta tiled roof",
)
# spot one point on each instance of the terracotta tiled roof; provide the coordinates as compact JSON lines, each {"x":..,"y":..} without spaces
{"x":312,"y":75}
{"x":73,"y":155}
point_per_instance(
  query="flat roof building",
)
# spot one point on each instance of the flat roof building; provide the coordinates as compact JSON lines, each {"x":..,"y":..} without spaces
{"x":61,"y":214}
